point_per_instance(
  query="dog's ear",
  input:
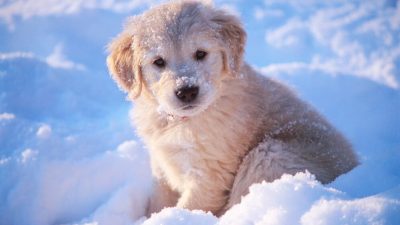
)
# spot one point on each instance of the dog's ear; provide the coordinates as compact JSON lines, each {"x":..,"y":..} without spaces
{"x":233,"y":36}
{"x":122,"y":66}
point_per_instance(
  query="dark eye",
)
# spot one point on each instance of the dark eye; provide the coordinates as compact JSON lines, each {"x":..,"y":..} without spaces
{"x":159,"y":62}
{"x":200,"y":55}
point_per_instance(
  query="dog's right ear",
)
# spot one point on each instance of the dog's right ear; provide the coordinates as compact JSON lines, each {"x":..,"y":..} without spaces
{"x":121,"y":65}
{"x":233,"y":36}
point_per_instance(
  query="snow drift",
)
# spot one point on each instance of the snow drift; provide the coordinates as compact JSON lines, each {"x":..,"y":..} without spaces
{"x":298,"y":199}
{"x":56,"y":166}
{"x":69,"y":156}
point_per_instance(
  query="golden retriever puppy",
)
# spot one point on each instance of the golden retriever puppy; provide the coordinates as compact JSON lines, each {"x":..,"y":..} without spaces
{"x":212,"y":125}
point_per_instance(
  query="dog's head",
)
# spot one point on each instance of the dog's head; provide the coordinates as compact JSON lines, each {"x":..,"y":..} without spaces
{"x":177,"y":54}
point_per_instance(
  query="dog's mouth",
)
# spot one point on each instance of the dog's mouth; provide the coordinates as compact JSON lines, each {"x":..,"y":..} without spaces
{"x":188,"y":107}
{"x":185,"y":112}
{"x":183,"y":116}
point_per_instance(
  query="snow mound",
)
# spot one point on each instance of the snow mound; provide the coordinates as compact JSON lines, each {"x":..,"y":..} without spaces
{"x":111,"y":186}
{"x":298,"y":199}
{"x":371,"y":210}
{"x":283,"y":201}
{"x":176,"y":216}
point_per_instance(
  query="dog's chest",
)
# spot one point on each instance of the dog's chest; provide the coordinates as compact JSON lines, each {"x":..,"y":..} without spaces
{"x":178,"y":156}
{"x":190,"y":153}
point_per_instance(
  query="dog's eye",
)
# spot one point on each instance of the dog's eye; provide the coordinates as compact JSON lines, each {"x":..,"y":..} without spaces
{"x":159,"y":62}
{"x":200,"y":55}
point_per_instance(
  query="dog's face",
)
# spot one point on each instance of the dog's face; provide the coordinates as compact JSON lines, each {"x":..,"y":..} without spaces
{"x":183,"y":74}
{"x":177,"y":54}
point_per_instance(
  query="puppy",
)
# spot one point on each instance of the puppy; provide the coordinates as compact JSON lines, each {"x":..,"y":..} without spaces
{"x":212,"y":125}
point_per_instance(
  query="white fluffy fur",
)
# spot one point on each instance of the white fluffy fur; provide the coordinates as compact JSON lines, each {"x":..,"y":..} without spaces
{"x":243,"y":127}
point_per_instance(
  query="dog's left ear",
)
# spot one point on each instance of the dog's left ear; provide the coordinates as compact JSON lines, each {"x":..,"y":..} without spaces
{"x":122,"y":65}
{"x":233,"y":36}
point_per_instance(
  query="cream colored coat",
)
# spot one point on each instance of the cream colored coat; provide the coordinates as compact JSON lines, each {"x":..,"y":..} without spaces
{"x":245,"y":128}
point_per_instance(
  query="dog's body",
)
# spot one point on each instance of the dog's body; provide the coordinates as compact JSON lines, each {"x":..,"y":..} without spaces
{"x":213,"y":126}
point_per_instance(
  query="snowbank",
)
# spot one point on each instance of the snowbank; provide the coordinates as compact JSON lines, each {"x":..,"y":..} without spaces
{"x":55,"y":167}
{"x":113,"y":188}
{"x":104,"y":188}
{"x":66,"y":149}
{"x":298,"y":199}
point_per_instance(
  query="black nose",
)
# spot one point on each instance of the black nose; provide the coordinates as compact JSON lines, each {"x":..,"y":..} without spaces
{"x":187,"y":94}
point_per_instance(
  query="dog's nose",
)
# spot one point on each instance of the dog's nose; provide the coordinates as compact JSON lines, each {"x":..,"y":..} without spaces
{"x":187,"y":94}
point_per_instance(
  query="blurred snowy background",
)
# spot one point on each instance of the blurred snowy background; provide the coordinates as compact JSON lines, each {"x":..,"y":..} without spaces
{"x":68,"y":154}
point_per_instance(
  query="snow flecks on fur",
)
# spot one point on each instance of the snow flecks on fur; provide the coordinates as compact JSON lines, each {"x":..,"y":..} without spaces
{"x":186,"y":81}
{"x":161,"y":110}
{"x":302,"y":122}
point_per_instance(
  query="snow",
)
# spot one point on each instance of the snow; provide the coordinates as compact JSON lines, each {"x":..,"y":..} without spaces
{"x":68,"y":154}
{"x":300,"y":199}
{"x":106,"y":187}
{"x":7,"y":116}
{"x":57,"y":59}
{"x":27,"y":155}
{"x":27,"y":9}
{"x":340,"y":28}
{"x":177,"y":216}
{"x":189,"y":81}
{"x":371,"y":210}
{"x":113,"y":187}
{"x":44,"y":131}
{"x":16,"y":55}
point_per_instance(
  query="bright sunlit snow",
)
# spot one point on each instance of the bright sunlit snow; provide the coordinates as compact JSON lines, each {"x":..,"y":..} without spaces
{"x":69,"y":155}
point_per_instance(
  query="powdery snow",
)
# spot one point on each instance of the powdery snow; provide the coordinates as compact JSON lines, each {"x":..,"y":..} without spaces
{"x":27,"y":155}
{"x":112,"y":186}
{"x":298,"y":199}
{"x":44,"y":131}
{"x":66,"y":154}
{"x":372,"y":210}
{"x":6,"y":116}
{"x":176,"y":216}
{"x":55,"y":177}
{"x":188,"y":81}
